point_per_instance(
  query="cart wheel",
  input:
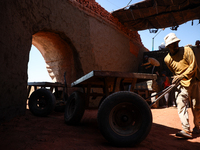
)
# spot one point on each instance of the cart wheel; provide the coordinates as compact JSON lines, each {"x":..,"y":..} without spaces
{"x":42,"y":102}
{"x":124,"y":118}
{"x":60,"y":103}
{"x":75,"y":108}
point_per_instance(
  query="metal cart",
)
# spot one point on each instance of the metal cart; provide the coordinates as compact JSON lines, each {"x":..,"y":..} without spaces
{"x":124,"y":117}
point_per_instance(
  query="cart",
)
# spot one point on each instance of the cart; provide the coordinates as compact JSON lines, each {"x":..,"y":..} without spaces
{"x":46,"y":97}
{"x":124,"y":117}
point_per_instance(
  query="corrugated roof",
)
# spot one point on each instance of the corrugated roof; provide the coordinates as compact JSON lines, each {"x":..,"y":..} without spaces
{"x":157,"y":14}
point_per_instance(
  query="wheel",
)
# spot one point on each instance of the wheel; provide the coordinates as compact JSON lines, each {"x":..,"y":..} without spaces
{"x":124,"y":118}
{"x":60,"y":103}
{"x":41,"y":102}
{"x":75,"y":108}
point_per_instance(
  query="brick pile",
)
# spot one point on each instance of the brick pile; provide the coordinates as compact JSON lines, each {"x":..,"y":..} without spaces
{"x":95,"y":7}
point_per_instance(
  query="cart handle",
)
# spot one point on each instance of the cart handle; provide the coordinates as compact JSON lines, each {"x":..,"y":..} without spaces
{"x":165,"y":91}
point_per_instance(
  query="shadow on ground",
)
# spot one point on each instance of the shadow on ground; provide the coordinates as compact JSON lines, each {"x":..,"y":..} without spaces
{"x":31,"y":132}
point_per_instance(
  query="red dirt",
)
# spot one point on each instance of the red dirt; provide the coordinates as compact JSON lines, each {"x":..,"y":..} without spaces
{"x":31,"y":132}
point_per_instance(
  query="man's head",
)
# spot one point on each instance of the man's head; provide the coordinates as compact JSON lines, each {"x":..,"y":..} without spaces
{"x":171,"y":42}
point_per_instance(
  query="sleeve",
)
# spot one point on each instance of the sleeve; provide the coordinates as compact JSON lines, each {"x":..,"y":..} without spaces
{"x":166,"y":60}
{"x":190,"y":59}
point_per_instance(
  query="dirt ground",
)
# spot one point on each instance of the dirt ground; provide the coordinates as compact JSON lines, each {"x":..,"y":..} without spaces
{"x":31,"y":132}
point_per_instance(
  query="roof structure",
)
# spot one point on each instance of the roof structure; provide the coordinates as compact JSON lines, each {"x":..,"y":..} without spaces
{"x":155,"y":14}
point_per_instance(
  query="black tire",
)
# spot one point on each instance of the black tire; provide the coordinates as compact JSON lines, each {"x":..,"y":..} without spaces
{"x":42,"y":102}
{"x":75,"y":108}
{"x":60,"y":104}
{"x":124,"y":118}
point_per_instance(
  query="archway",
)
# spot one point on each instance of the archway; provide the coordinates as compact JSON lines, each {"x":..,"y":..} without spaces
{"x":58,"y":55}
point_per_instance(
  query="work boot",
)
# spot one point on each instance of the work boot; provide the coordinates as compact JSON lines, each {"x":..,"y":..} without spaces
{"x":196,"y":130}
{"x":184,"y":134}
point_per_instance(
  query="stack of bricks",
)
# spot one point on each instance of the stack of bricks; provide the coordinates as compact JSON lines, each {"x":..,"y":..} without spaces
{"x":95,"y":7}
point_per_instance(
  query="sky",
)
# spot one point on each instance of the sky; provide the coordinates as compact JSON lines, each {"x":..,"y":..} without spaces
{"x":187,"y":33}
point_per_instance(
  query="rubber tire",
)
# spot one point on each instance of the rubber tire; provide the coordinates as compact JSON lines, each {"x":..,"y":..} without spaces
{"x":60,"y":107}
{"x":136,"y":114}
{"x":75,"y":108}
{"x":47,"y":102}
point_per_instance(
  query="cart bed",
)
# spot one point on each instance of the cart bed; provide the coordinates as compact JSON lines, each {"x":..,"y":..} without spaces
{"x":97,"y":78}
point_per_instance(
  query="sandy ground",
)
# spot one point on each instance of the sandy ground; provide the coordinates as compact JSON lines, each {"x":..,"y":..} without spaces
{"x":39,"y":133}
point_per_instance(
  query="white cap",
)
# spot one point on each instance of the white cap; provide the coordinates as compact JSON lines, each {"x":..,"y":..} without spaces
{"x":171,"y":38}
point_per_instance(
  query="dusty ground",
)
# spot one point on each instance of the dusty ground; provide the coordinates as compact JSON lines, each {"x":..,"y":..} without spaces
{"x":30,"y":132}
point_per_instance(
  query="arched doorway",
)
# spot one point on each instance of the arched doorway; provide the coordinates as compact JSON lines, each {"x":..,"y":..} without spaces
{"x":59,"y":56}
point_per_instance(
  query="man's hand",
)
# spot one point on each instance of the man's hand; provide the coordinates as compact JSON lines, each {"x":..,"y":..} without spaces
{"x":177,"y":79}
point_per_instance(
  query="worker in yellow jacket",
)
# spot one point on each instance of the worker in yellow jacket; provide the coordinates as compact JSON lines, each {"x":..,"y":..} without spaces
{"x":182,"y":63}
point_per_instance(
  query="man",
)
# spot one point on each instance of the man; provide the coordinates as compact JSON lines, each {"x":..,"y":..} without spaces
{"x":162,"y":46}
{"x":151,"y":62}
{"x":181,"y":61}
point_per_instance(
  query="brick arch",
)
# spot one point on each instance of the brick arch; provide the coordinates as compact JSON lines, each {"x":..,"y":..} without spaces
{"x":59,"y":55}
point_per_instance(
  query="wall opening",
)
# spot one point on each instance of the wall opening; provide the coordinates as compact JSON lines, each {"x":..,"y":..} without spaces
{"x":37,"y":71}
{"x":58,"y":56}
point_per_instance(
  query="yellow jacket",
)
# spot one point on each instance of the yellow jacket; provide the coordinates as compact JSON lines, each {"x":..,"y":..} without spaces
{"x":183,"y":63}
